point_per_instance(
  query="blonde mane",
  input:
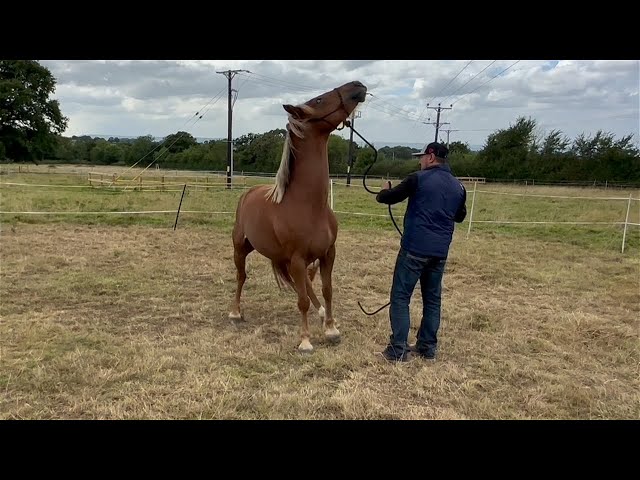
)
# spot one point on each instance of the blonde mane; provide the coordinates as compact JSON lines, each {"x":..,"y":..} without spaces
{"x":297,"y":128}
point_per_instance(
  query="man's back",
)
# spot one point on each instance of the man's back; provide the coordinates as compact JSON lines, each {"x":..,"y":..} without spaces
{"x":436,"y":203}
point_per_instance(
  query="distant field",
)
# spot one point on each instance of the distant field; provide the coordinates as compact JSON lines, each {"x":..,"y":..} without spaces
{"x":117,"y":316}
{"x":354,"y":206}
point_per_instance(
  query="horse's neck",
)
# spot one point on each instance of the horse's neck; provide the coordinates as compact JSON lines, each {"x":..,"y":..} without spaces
{"x":310,"y":178}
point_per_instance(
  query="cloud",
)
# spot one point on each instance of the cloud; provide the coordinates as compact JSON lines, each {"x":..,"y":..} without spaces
{"x":132,"y":97}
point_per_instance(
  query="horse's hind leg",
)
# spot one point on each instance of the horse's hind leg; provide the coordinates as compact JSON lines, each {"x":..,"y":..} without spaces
{"x":311,"y":270}
{"x":331,"y":333}
{"x":240,"y":252}
{"x":298,"y":271}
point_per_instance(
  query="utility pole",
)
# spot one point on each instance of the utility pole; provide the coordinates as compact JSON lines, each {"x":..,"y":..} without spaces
{"x":448,"y":132}
{"x":350,"y":166}
{"x":437,"y":122}
{"x":230,"y":74}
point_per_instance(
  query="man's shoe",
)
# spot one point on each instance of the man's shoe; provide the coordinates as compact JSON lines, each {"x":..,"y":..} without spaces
{"x":427,"y":354}
{"x":390,"y":354}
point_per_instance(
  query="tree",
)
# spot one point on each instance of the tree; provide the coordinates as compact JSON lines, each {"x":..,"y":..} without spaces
{"x":507,"y":150}
{"x":141,"y":150}
{"x":398,"y":152}
{"x":554,"y":144}
{"x":459,"y":147}
{"x":338,"y":153}
{"x":178,"y":142}
{"x":365,"y":158}
{"x":29,"y":120}
{"x":106,"y":153}
{"x":260,"y":153}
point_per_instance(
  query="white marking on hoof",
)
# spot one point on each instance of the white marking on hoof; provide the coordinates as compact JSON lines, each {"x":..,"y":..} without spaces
{"x":236,"y":316}
{"x":305,"y":346}
{"x":321,"y":312}
{"x":332,"y":334}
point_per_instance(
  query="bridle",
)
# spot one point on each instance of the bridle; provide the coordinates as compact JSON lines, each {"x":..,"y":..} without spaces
{"x":342,"y":106}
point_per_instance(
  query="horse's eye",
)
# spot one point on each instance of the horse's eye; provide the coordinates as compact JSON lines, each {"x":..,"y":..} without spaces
{"x":318,"y":100}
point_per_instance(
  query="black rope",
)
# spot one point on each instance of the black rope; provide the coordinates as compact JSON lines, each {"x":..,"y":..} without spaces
{"x":364,"y":183}
{"x":364,"y":177}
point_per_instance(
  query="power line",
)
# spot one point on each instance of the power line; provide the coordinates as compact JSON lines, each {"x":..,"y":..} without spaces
{"x":390,"y":105}
{"x":497,"y":75}
{"x":280,"y":82}
{"x":468,"y":81}
{"x":445,"y":87}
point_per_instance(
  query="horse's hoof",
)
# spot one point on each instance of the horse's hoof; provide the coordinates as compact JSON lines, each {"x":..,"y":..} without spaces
{"x":332,"y":335}
{"x":305,"y":347}
{"x":236,"y":317}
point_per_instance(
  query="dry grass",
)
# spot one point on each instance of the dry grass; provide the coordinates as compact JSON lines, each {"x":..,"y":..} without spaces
{"x":131,"y":322}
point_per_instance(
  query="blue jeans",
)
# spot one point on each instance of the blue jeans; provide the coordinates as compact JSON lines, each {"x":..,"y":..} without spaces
{"x":408,"y":270}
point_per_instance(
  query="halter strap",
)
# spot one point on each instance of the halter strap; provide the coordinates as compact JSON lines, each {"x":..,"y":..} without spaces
{"x":340,"y":107}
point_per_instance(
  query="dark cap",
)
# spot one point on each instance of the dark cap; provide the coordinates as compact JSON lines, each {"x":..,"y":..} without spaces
{"x":434,"y":147}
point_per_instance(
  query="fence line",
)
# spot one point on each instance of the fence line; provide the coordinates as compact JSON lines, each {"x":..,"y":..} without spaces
{"x":85,"y":168}
{"x":555,"y":196}
{"x":549,"y":222}
{"x":367,"y":214}
{"x":471,"y":221}
{"x":223,"y":186}
{"x":49,"y":185}
{"x":626,"y":222}
{"x":137,"y":187}
{"x":141,"y":212}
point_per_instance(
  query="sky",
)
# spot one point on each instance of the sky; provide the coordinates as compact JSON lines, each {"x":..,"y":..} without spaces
{"x":159,"y":97}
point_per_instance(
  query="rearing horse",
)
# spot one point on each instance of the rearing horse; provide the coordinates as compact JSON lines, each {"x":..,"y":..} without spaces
{"x":290,"y":222}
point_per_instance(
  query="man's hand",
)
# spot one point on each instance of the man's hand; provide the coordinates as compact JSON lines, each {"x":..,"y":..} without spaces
{"x":386,"y":185}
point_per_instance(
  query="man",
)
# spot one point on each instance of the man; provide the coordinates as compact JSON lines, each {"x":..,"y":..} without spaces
{"x":436,"y":201}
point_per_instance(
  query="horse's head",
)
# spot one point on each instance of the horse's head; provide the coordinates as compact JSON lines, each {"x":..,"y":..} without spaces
{"x":330,"y":109}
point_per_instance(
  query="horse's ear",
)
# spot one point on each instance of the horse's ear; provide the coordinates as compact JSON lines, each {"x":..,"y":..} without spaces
{"x":295,"y":112}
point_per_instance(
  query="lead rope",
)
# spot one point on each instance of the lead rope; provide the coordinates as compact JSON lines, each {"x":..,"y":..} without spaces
{"x":364,"y":183}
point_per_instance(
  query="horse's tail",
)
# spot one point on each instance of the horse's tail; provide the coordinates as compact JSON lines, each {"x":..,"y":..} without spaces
{"x":281,"y":273}
{"x":313,"y":269}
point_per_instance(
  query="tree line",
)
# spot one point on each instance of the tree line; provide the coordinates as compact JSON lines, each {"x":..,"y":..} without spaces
{"x":31,"y":127}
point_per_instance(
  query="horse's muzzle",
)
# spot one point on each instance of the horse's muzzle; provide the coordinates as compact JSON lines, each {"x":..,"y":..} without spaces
{"x":359,"y":97}
{"x":361,"y":93}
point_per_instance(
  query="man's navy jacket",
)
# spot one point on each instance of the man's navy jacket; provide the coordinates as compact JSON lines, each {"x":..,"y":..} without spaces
{"x":437,"y":199}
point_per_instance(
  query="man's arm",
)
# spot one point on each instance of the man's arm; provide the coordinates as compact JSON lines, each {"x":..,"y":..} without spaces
{"x":462,"y":210}
{"x":399,"y":192}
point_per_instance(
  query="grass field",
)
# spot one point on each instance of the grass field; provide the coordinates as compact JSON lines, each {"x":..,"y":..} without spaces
{"x":356,"y":208}
{"x":120,"y":316}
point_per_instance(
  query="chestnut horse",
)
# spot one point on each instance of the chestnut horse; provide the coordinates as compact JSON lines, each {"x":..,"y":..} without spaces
{"x":291,"y":222}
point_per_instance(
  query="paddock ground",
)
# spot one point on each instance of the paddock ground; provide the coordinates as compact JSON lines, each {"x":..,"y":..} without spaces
{"x":104,"y":321}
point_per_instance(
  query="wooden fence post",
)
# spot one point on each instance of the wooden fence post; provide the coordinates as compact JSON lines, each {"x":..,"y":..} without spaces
{"x":626,"y":223}
{"x":473,"y":202}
